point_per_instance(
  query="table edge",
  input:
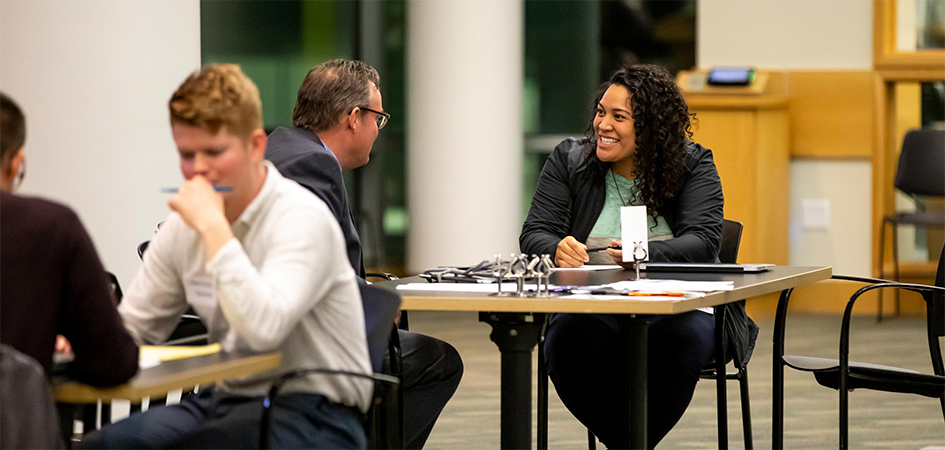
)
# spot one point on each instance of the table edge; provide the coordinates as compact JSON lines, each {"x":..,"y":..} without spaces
{"x":76,"y":392}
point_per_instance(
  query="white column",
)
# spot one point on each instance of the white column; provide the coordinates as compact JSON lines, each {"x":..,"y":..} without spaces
{"x":93,"y":78}
{"x":464,"y":134}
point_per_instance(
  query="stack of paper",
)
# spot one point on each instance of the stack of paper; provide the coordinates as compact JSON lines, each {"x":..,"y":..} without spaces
{"x":672,"y":285}
{"x":588,"y":267}
{"x":462,"y":287}
{"x":152,"y":355}
{"x":654,"y":298}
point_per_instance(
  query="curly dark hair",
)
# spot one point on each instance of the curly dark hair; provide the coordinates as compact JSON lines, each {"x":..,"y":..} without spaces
{"x":662,"y":127}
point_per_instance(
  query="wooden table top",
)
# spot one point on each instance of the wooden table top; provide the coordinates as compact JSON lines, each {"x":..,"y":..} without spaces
{"x":745,"y":286}
{"x":170,"y":375}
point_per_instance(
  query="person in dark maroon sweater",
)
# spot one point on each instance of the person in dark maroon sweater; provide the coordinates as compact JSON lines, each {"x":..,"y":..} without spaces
{"x":51,"y":280}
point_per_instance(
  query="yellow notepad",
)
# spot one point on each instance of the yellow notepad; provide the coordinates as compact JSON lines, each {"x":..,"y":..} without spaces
{"x":167,"y":352}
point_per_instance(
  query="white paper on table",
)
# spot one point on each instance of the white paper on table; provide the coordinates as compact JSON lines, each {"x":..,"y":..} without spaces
{"x":633,"y":230}
{"x":588,"y":267}
{"x":688,"y":295}
{"x":462,"y":287}
{"x":147,"y":363}
{"x":673,"y":285}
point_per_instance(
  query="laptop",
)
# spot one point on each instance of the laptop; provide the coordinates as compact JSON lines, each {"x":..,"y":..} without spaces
{"x":704,"y":267}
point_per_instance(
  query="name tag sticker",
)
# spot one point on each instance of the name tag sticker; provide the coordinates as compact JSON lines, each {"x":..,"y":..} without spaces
{"x":633,"y":231}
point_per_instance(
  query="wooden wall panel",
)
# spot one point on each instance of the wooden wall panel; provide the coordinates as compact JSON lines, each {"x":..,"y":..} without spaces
{"x":773,"y":189}
{"x":731,"y":137}
{"x":750,"y":148}
{"x":832,"y":114}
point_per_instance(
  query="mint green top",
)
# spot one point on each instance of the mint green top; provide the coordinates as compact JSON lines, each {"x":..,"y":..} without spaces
{"x":608,"y":223}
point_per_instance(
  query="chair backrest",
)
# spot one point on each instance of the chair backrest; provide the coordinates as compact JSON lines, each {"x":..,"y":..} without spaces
{"x":380,"y":308}
{"x":922,"y":163}
{"x":28,"y":416}
{"x":936,"y":306}
{"x":935,"y":315}
{"x":142,"y":247}
{"x":731,"y":238}
{"x":116,"y":288}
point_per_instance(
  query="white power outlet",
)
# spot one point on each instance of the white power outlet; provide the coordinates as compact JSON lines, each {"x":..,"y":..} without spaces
{"x":816,"y":213}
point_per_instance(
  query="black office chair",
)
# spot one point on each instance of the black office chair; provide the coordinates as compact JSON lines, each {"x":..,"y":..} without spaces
{"x":395,"y":369}
{"x":27,"y":413}
{"x":391,"y":277}
{"x":116,"y":288}
{"x":845,"y":375}
{"x":731,"y":241}
{"x":190,"y":330}
{"x":921,"y":173}
{"x":142,"y":247}
{"x":728,"y":253}
{"x":383,"y":422}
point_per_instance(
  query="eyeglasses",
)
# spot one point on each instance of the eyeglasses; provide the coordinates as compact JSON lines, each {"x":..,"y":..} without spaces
{"x":382,"y":117}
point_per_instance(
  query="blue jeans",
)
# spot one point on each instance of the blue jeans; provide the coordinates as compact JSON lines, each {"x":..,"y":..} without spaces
{"x":582,"y":353}
{"x":216,"y":419}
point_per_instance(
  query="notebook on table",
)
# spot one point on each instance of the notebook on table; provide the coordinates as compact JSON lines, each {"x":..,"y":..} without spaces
{"x":704,"y":267}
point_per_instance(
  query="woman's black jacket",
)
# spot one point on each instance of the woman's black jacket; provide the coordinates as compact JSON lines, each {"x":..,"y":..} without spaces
{"x":570,"y":196}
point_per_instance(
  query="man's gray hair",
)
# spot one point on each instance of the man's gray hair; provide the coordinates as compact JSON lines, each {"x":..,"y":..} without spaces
{"x":332,"y":89}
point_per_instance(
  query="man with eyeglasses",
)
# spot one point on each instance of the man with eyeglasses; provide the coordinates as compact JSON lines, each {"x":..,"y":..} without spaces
{"x":337,"y":116}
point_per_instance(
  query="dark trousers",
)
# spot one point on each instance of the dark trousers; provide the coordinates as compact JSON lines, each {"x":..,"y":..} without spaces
{"x":216,"y":419}
{"x":432,"y":370}
{"x":582,"y":354}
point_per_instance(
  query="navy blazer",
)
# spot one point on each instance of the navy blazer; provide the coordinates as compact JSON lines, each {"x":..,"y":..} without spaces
{"x":301,"y":156}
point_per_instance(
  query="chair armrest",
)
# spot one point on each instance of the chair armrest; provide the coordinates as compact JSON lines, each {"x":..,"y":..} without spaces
{"x":848,"y":311}
{"x":279,"y":382}
{"x":860,"y":279}
{"x":917,"y":288}
{"x":874,"y":283}
{"x":390,"y":277}
{"x":386,"y":276}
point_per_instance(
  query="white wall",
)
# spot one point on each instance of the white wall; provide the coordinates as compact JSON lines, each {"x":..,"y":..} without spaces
{"x":785,"y":34}
{"x":808,"y":35}
{"x":93,"y":78}
{"x":846,"y":243}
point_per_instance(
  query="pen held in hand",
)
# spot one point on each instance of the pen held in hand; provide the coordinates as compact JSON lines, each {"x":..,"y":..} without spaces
{"x":653,"y":294}
{"x":600,"y":249}
{"x":173,"y":190}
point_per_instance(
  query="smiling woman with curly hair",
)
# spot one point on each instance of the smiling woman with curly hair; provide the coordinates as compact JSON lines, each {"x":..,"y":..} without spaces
{"x":659,"y":119}
{"x":638,"y":152}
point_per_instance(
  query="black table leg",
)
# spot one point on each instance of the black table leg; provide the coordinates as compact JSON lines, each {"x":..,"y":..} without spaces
{"x":721,"y":397}
{"x":633,"y":330}
{"x":516,"y":335}
{"x":777,"y":373}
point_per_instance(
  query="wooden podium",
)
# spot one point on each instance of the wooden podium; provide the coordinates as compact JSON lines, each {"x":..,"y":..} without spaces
{"x":747,"y":128}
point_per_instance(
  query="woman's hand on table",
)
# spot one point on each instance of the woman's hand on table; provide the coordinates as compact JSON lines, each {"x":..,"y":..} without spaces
{"x":616,"y":254}
{"x":571,"y":253}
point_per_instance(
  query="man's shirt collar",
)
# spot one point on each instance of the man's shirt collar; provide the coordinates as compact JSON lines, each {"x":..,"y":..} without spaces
{"x":248,"y":217}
